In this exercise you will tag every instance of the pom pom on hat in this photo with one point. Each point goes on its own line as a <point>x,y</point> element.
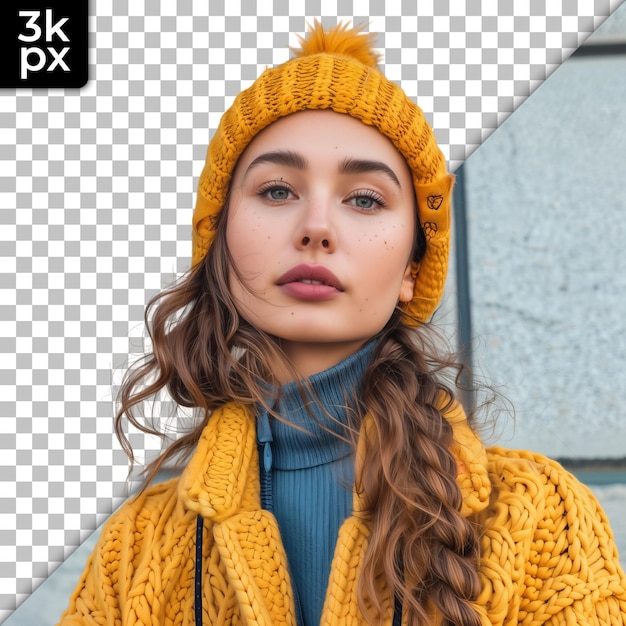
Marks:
<point>341,39</point>
<point>336,69</point>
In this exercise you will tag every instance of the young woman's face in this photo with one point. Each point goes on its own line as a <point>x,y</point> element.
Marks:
<point>321,226</point>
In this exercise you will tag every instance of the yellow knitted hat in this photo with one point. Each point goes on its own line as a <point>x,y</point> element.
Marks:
<point>336,69</point>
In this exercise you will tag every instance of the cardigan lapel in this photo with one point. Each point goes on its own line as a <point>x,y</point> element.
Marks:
<point>252,553</point>
<point>341,604</point>
<point>471,457</point>
<point>221,483</point>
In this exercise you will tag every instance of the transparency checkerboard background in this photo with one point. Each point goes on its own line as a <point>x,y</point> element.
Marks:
<point>97,188</point>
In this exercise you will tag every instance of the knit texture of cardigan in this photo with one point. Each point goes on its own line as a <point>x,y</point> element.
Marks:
<point>547,553</point>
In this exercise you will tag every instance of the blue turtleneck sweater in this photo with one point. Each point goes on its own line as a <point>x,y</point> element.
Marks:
<point>307,476</point>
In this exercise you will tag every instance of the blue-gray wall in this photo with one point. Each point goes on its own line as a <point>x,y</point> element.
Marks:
<point>546,207</point>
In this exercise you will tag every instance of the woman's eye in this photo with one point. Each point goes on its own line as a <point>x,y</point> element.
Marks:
<point>366,201</point>
<point>278,193</point>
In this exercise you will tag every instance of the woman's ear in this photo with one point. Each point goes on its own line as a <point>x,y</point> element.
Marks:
<point>407,288</point>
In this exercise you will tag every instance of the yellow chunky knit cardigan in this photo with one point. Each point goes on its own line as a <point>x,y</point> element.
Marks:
<point>548,556</point>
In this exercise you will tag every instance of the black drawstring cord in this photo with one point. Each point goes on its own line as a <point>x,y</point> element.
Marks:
<point>198,575</point>
<point>397,611</point>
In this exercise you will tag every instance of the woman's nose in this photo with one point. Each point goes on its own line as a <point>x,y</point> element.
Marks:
<point>316,228</point>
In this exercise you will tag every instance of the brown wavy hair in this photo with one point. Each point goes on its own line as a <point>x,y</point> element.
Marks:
<point>204,354</point>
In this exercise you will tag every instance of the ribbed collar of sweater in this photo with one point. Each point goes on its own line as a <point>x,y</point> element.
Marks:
<point>315,439</point>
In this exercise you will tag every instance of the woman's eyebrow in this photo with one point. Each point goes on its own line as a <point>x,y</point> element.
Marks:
<point>358,166</point>
<point>280,157</point>
<point>348,166</point>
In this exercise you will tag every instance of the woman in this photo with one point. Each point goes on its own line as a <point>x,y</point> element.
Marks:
<point>333,478</point>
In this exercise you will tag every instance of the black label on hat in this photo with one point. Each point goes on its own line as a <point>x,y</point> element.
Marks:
<point>434,202</point>
<point>43,43</point>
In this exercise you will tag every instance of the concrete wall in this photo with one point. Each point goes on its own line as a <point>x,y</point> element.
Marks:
<point>546,205</point>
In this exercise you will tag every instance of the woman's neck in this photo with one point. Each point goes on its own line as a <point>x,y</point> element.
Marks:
<point>317,416</point>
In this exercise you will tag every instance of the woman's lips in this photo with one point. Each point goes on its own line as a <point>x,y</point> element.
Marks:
<point>310,282</point>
